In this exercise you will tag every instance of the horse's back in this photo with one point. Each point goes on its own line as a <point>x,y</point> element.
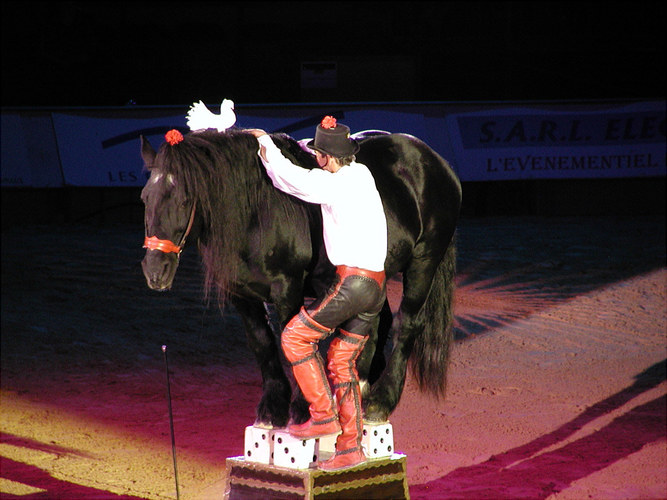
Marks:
<point>420,190</point>
<point>412,160</point>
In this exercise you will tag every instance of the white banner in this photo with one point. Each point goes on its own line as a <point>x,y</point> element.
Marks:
<point>103,151</point>
<point>517,143</point>
<point>15,167</point>
<point>491,143</point>
<point>29,151</point>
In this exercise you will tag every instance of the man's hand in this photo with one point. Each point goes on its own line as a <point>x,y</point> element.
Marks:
<point>257,132</point>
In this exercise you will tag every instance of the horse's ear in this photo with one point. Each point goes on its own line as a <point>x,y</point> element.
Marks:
<point>147,151</point>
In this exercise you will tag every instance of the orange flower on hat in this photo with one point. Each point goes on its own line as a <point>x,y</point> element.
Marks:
<point>173,137</point>
<point>328,122</point>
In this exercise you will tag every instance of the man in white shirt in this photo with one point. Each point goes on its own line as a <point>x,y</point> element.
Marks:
<point>355,238</point>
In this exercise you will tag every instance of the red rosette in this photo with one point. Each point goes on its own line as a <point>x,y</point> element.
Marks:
<point>173,137</point>
<point>328,122</point>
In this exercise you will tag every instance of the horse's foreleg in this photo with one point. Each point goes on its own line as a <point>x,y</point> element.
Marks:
<point>273,408</point>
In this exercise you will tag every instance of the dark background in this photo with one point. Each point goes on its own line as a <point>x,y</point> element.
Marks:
<point>162,53</point>
<point>100,53</point>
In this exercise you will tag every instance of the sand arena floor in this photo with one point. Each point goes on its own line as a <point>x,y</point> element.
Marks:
<point>556,386</point>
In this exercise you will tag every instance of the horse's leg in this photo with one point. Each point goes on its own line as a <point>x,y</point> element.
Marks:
<point>410,321</point>
<point>372,362</point>
<point>273,408</point>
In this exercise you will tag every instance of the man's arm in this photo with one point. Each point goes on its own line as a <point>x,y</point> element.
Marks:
<point>257,132</point>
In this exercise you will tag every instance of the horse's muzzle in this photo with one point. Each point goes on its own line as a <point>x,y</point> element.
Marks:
<point>159,269</point>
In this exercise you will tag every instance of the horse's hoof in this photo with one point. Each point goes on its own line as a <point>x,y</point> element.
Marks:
<point>299,411</point>
<point>374,414</point>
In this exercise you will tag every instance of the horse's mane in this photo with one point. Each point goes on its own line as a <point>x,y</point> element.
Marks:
<point>232,192</point>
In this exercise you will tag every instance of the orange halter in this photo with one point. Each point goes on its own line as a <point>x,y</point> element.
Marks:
<point>167,246</point>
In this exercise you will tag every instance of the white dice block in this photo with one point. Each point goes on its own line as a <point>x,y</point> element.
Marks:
<point>377,440</point>
<point>258,444</point>
<point>294,453</point>
<point>327,445</point>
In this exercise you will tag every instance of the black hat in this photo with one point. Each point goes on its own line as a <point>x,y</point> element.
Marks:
<point>333,139</point>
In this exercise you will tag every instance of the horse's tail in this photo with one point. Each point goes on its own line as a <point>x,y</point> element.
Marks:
<point>430,354</point>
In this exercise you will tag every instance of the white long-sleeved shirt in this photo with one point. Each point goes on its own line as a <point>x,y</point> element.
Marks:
<point>354,223</point>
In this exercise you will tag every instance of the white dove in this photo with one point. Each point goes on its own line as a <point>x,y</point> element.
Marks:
<point>200,118</point>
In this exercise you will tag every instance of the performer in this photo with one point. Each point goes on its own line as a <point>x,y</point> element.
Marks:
<point>355,238</point>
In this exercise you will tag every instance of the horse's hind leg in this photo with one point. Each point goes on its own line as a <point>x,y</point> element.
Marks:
<point>372,360</point>
<point>410,322</point>
<point>273,408</point>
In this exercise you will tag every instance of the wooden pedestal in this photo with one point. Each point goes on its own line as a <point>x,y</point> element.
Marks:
<point>381,478</point>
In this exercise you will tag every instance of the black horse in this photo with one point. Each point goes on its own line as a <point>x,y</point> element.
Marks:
<point>260,246</point>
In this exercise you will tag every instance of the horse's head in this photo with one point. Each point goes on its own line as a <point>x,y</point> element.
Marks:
<point>169,215</point>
